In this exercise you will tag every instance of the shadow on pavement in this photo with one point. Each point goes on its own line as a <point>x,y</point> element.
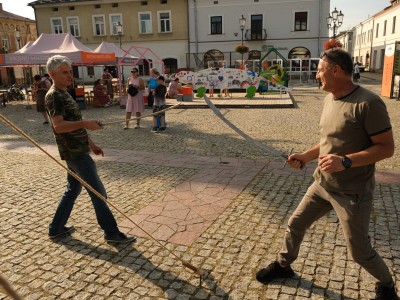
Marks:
<point>146,268</point>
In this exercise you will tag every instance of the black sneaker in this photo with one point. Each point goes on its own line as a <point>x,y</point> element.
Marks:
<point>120,238</point>
<point>273,271</point>
<point>154,129</point>
<point>65,231</point>
<point>161,129</point>
<point>385,293</point>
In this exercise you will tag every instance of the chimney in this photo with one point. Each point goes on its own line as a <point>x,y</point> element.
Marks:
<point>1,6</point>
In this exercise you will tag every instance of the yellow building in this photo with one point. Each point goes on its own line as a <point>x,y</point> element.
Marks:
<point>160,25</point>
<point>15,32</point>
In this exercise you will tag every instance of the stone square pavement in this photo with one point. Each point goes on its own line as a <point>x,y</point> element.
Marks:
<point>208,196</point>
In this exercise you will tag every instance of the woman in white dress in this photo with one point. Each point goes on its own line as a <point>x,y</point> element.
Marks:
<point>135,103</point>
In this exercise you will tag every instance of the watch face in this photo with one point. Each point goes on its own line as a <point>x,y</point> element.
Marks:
<point>346,162</point>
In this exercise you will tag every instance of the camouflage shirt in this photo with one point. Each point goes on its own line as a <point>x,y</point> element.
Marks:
<point>71,144</point>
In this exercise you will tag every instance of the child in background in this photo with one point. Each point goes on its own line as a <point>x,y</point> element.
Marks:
<point>159,103</point>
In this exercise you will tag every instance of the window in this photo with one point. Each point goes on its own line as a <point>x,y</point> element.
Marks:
<point>256,27</point>
<point>171,65</point>
<point>300,21</point>
<point>384,27</point>
<point>56,25</point>
<point>143,3</point>
<point>114,19</point>
<point>164,21</point>
<point>145,22</point>
<point>90,70</point>
<point>114,5</point>
<point>73,26</point>
<point>163,1</point>
<point>4,45</point>
<point>216,25</point>
<point>377,30</point>
<point>394,25</point>
<point>98,25</point>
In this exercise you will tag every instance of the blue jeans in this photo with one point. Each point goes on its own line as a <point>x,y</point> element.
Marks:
<point>84,167</point>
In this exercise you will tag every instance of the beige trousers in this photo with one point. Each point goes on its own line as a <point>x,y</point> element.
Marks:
<point>353,211</point>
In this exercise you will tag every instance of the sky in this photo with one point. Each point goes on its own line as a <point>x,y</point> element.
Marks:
<point>354,11</point>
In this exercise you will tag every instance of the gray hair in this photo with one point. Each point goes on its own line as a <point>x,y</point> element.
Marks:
<point>54,62</point>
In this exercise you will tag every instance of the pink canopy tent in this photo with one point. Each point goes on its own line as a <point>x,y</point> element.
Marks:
<point>47,45</point>
<point>106,47</point>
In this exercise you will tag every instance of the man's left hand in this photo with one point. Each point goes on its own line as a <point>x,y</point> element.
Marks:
<point>96,150</point>
<point>330,163</point>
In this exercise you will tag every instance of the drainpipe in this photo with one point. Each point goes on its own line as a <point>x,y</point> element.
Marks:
<point>372,39</point>
<point>196,34</point>
<point>319,27</point>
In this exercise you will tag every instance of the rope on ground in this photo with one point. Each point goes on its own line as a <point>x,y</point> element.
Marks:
<point>85,184</point>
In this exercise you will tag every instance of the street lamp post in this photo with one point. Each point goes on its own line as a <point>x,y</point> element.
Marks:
<point>334,21</point>
<point>119,31</point>
<point>242,23</point>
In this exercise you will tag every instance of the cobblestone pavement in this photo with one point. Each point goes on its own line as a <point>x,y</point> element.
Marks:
<point>142,167</point>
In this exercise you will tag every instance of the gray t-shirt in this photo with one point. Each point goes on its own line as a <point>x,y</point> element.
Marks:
<point>346,127</point>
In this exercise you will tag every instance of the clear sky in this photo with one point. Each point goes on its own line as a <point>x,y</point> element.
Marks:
<point>354,11</point>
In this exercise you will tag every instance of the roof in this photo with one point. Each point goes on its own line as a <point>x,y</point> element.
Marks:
<point>7,15</point>
<point>46,2</point>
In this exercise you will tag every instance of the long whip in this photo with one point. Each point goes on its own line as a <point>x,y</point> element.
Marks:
<point>88,186</point>
<point>141,117</point>
<point>8,288</point>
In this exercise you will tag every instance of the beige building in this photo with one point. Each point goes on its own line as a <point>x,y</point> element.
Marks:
<point>160,25</point>
<point>15,32</point>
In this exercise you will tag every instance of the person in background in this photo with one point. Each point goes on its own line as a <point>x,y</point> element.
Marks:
<point>159,104</point>
<point>152,86</point>
<point>355,133</point>
<point>107,81</point>
<point>39,90</point>
<point>101,99</point>
<point>47,80</point>
<point>173,88</point>
<point>356,74</point>
<point>135,103</point>
<point>74,145</point>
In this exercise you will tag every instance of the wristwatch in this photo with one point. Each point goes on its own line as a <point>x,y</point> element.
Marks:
<point>346,162</point>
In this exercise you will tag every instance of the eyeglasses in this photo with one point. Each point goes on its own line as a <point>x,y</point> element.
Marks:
<point>331,59</point>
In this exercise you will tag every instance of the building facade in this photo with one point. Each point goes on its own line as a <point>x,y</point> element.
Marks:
<point>296,28</point>
<point>15,32</point>
<point>367,41</point>
<point>160,25</point>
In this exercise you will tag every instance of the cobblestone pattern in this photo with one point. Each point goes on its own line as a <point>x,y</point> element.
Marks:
<point>245,237</point>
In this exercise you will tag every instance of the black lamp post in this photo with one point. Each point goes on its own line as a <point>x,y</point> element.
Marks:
<point>334,21</point>
<point>119,31</point>
<point>242,23</point>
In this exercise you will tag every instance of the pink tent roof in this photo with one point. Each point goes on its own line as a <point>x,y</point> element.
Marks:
<point>55,44</point>
<point>112,48</point>
<point>48,45</point>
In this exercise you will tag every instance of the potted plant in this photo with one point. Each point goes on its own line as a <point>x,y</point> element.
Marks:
<point>242,49</point>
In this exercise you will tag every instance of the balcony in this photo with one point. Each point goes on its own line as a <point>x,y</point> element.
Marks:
<point>256,34</point>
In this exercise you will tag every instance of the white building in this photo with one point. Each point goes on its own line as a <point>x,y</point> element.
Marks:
<point>367,41</point>
<point>386,32</point>
<point>296,28</point>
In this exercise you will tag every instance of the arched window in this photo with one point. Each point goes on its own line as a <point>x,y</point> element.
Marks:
<point>254,54</point>
<point>213,56</point>
<point>299,52</point>
<point>171,65</point>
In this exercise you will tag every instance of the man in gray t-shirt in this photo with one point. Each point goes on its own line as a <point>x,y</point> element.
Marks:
<point>355,133</point>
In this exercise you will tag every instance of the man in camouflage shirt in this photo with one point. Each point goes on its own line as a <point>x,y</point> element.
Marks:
<point>74,146</point>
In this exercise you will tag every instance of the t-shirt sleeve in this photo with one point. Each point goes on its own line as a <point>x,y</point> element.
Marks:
<point>376,117</point>
<point>55,104</point>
